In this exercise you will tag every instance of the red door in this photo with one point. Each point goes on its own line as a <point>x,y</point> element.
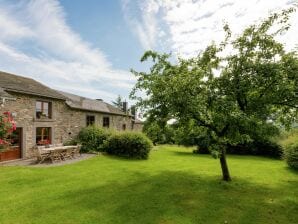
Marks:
<point>15,149</point>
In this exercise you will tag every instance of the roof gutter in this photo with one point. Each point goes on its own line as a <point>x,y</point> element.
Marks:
<point>35,94</point>
<point>98,111</point>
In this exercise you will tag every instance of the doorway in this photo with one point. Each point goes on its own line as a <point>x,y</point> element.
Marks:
<point>14,150</point>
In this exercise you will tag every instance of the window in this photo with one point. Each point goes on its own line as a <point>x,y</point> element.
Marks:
<point>43,136</point>
<point>90,120</point>
<point>106,122</point>
<point>43,109</point>
<point>123,127</point>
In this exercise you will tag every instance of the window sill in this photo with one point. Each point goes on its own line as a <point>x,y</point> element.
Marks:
<point>43,119</point>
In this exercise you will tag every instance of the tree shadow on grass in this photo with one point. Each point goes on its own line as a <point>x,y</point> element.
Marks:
<point>292,170</point>
<point>238,156</point>
<point>125,159</point>
<point>190,154</point>
<point>179,197</point>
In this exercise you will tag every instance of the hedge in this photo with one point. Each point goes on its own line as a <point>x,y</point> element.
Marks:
<point>128,144</point>
<point>92,138</point>
<point>291,155</point>
<point>259,147</point>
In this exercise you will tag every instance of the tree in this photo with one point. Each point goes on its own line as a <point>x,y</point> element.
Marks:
<point>158,133</point>
<point>254,91</point>
<point>118,102</point>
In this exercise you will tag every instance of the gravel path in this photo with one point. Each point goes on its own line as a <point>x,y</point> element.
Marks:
<point>32,162</point>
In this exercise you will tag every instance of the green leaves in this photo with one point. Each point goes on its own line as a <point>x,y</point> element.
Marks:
<point>254,93</point>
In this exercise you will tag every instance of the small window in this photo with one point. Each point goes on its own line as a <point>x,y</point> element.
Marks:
<point>43,136</point>
<point>43,109</point>
<point>106,122</point>
<point>90,120</point>
<point>123,127</point>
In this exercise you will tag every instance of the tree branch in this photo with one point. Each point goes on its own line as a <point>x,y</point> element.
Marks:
<point>205,124</point>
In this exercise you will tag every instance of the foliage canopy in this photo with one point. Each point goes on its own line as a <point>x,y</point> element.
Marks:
<point>235,90</point>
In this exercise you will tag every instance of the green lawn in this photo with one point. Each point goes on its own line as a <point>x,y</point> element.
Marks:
<point>173,186</point>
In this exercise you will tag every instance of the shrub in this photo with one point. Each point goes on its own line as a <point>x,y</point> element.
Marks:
<point>267,148</point>
<point>129,144</point>
<point>73,141</point>
<point>291,155</point>
<point>263,147</point>
<point>200,150</point>
<point>159,134</point>
<point>288,137</point>
<point>203,143</point>
<point>92,138</point>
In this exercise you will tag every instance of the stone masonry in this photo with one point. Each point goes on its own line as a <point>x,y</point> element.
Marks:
<point>65,123</point>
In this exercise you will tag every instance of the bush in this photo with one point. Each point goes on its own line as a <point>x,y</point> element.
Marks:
<point>291,155</point>
<point>203,143</point>
<point>73,141</point>
<point>200,150</point>
<point>92,138</point>
<point>288,137</point>
<point>159,134</point>
<point>128,144</point>
<point>268,148</point>
<point>259,147</point>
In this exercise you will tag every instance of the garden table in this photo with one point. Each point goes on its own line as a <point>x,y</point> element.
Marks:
<point>59,153</point>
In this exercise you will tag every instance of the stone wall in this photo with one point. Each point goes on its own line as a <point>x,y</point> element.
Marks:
<point>138,126</point>
<point>65,122</point>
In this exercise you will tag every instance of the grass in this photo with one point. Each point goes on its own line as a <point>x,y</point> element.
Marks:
<point>173,186</point>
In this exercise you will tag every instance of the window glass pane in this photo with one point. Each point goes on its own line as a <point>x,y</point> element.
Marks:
<point>45,131</point>
<point>45,105</point>
<point>38,105</point>
<point>38,114</point>
<point>43,109</point>
<point>43,136</point>
<point>106,122</point>
<point>45,113</point>
<point>38,131</point>
<point>90,120</point>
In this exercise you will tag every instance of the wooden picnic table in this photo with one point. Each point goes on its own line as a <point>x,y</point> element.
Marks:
<point>57,148</point>
<point>59,153</point>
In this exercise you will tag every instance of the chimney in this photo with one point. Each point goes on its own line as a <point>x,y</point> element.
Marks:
<point>124,106</point>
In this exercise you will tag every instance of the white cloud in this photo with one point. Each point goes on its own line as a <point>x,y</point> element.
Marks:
<point>81,91</point>
<point>62,56</point>
<point>145,24</point>
<point>47,18</point>
<point>192,24</point>
<point>11,28</point>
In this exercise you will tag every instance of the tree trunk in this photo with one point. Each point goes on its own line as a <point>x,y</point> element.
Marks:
<point>224,166</point>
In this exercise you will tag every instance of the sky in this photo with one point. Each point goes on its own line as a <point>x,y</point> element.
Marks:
<point>87,47</point>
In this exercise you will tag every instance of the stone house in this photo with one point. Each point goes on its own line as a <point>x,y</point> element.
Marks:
<point>47,116</point>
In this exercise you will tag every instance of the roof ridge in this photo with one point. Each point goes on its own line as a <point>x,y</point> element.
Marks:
<point>21,84</point>
<point>25,77</point>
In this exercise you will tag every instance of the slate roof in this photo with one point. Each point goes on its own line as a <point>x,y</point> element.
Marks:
<point>4,94</point>
<point>20,84</point>
<point>83,103</point>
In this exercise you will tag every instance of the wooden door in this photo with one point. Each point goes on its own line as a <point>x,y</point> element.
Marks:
<point>15,149</point>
